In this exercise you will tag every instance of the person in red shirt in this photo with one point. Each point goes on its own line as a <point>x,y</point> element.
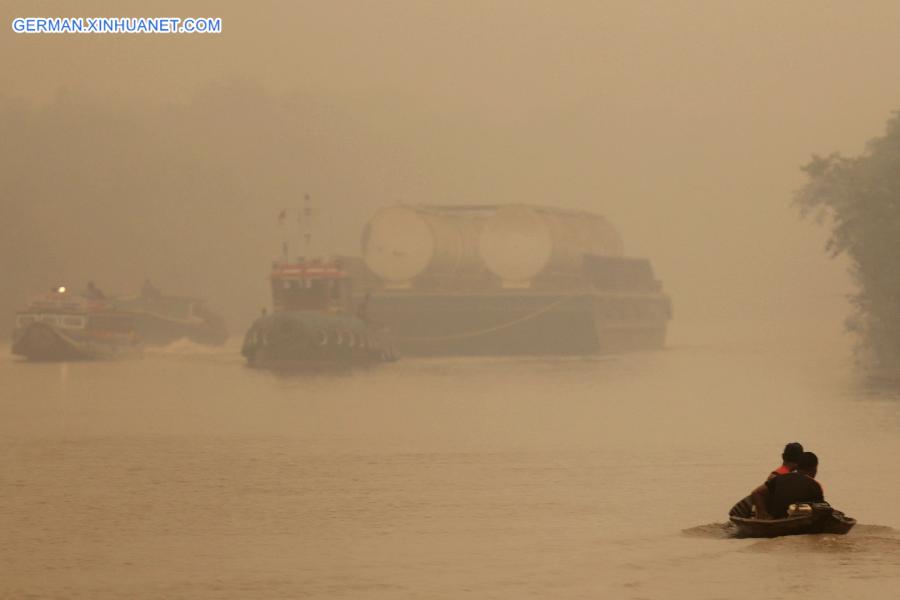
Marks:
<point>789,458</point>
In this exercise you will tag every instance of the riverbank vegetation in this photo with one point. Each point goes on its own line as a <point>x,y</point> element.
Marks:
<point>859,197</point>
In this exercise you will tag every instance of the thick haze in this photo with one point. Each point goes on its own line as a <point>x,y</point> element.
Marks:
<point>684,123</point>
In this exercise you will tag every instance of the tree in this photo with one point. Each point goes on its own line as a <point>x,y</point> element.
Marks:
<point>860,196</point>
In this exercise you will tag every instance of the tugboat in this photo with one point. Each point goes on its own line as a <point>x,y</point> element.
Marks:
<point>62,325</point>
<point>313,324</point>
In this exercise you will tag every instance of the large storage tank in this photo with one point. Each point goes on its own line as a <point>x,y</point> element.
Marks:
<point>403,243</point>
<point>519,243</point>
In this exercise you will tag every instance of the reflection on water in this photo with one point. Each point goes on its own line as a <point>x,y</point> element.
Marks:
<point>186,474</point>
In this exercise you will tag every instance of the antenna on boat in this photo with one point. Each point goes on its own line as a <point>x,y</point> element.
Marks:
<point>305,222</point>
<point>282,216</point>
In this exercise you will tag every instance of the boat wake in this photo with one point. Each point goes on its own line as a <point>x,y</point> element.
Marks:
<point>711,531</point>
<point>863,538</point>
<point>186,347</point>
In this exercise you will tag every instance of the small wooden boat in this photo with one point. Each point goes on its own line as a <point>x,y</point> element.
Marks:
<point>804,518</point>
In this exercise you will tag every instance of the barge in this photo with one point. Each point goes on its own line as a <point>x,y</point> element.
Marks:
<point>508,280</point>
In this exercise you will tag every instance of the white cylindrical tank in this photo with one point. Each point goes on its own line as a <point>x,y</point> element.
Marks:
<point>400,243</point>
<point>520,242</point>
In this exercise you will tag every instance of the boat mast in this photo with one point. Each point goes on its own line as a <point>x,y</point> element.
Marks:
<point>282,217</point>
<point>306,223</point>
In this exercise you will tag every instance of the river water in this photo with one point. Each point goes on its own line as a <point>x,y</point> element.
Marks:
<point>185,474</point>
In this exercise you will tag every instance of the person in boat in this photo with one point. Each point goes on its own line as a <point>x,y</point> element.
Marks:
<point>93,292</point>
<point>773,498</point>
<point>148,290</point>
<point>789,457</point>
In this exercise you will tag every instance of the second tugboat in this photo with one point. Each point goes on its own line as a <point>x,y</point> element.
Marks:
<point>313,324</point>
<point>63,325</point>
<point>66,325</point>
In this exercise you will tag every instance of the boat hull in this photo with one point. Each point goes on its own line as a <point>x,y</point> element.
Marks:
<point>160,320</point>
<point>158,330</point>
<point>300,340</point>
<point>45,342</point>
<point>521,322</point>
<point>822,519</point>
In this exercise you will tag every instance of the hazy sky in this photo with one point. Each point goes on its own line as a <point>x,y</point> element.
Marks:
<point>684,122</point>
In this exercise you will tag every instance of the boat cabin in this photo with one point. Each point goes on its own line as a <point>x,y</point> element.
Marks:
<point>66,310</point>
<point>314,285</point>
<point>66,321</point>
